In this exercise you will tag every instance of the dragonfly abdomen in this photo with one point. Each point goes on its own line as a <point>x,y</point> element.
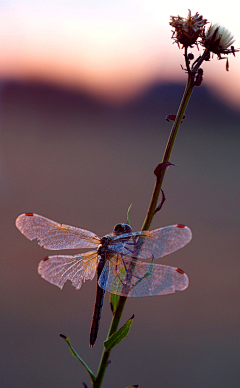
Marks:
<point>98,302</point>
<point>96,315</point>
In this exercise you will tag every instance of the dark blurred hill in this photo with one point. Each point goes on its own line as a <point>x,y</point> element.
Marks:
<point>165,98</point>
<point>152,104</point>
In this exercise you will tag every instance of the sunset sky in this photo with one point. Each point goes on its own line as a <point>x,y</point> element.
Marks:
<point>113,49</point>
<point>74,159</point>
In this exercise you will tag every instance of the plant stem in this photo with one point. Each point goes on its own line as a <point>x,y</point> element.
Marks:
<point>153,203</point>
<point>172,136</point>
<point>167,153</point>
<point>106,353</point>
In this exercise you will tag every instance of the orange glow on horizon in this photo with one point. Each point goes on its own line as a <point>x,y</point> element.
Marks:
<point>112,59</point>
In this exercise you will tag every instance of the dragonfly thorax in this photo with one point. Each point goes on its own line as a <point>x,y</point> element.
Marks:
<point>118,230</point>
<point>102,248</point>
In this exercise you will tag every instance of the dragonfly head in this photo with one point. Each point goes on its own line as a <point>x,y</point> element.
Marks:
<point>121,229</point>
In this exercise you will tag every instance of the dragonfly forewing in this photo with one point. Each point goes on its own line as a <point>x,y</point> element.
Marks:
<point>155,243</point>
<point>52,235</point>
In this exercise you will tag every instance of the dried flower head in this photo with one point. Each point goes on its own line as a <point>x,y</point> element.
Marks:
<point>217,40</point>
<point>187,30</point>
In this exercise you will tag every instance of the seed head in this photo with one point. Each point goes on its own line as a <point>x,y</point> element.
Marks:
<point>217,39</point>
<point>188,30</point>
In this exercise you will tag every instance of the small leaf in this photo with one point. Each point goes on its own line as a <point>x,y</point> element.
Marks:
<point>118,335</point>
<point>114,298</point>
<point>74,353</point>
<point>159,207</point>
<point>128,219</point>
<point>160,167</point>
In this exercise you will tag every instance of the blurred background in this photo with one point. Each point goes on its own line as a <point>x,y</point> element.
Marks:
<point>84,91</point>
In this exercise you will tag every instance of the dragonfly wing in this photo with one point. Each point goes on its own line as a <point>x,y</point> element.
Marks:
<point>134,278</point>
<point>58,269</point>
<point>52,235</point>
<point>155,243</point>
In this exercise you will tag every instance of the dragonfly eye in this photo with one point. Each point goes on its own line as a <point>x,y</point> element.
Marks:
<point>122,229</point>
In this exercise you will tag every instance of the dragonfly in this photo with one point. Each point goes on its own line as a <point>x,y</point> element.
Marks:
<point>115,258</point>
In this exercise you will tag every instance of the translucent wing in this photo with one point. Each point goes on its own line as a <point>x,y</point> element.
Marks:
<point>58,269</point>
<point>52,235</point>
<point>134,278</point>
<point>153,244</point>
